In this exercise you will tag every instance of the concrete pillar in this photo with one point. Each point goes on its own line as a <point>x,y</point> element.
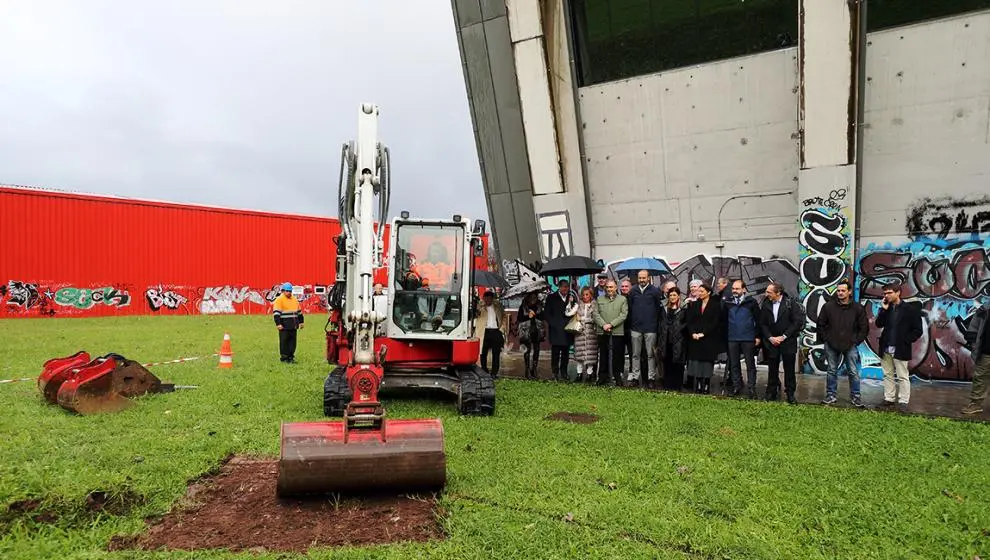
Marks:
<point>827,181</point>
<point>482,29</point>
<point>541,51</point>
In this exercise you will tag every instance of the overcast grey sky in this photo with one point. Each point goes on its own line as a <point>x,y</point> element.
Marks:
<point>241,103</point>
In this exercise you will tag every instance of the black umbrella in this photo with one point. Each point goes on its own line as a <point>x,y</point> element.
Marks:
<point>488,279</point>
<point>571,265</point>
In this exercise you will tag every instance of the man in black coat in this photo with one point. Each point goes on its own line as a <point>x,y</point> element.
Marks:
<point>781,320</point>
<point>558,310</point>
<point>901,324</point>
<point>842,326</point>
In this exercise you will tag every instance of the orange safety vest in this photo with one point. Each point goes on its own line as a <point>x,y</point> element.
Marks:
<point>438,274</point>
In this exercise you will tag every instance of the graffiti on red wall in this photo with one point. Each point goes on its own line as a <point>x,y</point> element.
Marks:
<point>949,277</point>
<point>30,299</point>
<point>86,298</point>
<point>159,298</point>
<point>21,298</point>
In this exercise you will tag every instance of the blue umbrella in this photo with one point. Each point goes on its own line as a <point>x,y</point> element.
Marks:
<point>651,265</point>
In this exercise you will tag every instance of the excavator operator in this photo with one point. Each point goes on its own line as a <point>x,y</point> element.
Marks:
<point>437,268</point>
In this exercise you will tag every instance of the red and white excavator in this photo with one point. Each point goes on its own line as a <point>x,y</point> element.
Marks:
<point>422,338</point>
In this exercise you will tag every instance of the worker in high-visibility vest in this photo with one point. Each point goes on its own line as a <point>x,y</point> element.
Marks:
<point>436,268</point>
<point>288,319</point>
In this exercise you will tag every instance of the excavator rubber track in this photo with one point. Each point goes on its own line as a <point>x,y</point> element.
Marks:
<point>336,393</point>
<point>476,394</point>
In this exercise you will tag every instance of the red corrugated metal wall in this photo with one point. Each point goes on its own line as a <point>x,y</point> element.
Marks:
<point>80,255</point>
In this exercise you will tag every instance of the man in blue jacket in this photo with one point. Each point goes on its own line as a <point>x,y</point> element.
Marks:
<point>645,305</point>
<point>742,316</point>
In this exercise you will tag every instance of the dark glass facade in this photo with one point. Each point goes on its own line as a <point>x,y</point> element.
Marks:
<point>616,39</point>
<point>622,38</point>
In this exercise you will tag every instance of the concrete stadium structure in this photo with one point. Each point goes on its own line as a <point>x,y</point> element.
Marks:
<point>799,141</point>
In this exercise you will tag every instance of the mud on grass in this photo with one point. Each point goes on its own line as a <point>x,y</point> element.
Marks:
<point>237,509</point>
<point>97,502</point>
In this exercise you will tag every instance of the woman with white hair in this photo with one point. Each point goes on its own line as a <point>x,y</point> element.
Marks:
<point>693,290</point>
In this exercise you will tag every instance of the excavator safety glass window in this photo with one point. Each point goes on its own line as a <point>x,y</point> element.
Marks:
<point>429,276</point>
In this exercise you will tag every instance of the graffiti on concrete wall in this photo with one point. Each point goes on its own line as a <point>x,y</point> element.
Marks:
<point>555,234</point>
<point>825,247</point>
<point>949,277</point>
<point>834,201</point>
<point>946,216</point>
<point>756,272</point>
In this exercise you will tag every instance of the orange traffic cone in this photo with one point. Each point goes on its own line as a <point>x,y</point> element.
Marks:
<point>226,355</point>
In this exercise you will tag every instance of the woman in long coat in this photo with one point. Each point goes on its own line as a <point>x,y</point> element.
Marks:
<point>586,341</point>
<point>670,342</point>
<point>703,319</point>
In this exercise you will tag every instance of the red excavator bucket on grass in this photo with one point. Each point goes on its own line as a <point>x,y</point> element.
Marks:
<point>363,452</point>
<point>55,371</point>
<point>104,385</point>
<point>324,457</point>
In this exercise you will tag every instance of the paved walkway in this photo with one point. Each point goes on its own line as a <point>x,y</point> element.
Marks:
<point>934,399</point>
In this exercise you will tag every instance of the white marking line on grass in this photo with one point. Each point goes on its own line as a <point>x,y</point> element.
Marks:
<point>178,361</point>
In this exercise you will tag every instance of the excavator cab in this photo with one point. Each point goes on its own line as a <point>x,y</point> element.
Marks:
<point>428,295</point>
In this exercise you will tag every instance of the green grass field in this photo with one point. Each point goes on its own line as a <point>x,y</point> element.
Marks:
<point>659,476</point>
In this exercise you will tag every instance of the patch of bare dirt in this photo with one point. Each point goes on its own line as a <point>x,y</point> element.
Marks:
<point>114,504</point>
<point>30,508</point>
<point>238,509</point>
<point>574,417</point>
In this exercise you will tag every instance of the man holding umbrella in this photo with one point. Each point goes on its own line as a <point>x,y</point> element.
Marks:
<point>558,310</point>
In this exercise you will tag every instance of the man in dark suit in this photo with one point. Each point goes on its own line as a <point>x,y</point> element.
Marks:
<point>559,309</point>
<point>901,324</point>
<point>781,320</point>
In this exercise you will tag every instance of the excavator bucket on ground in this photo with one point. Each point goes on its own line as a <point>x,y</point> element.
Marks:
<point>100,385</point>
<point>55,371</point>
<point>340,457</point>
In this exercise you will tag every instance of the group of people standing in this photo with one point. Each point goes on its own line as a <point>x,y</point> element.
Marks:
<point>683,337</point>
<point>677,339</point>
